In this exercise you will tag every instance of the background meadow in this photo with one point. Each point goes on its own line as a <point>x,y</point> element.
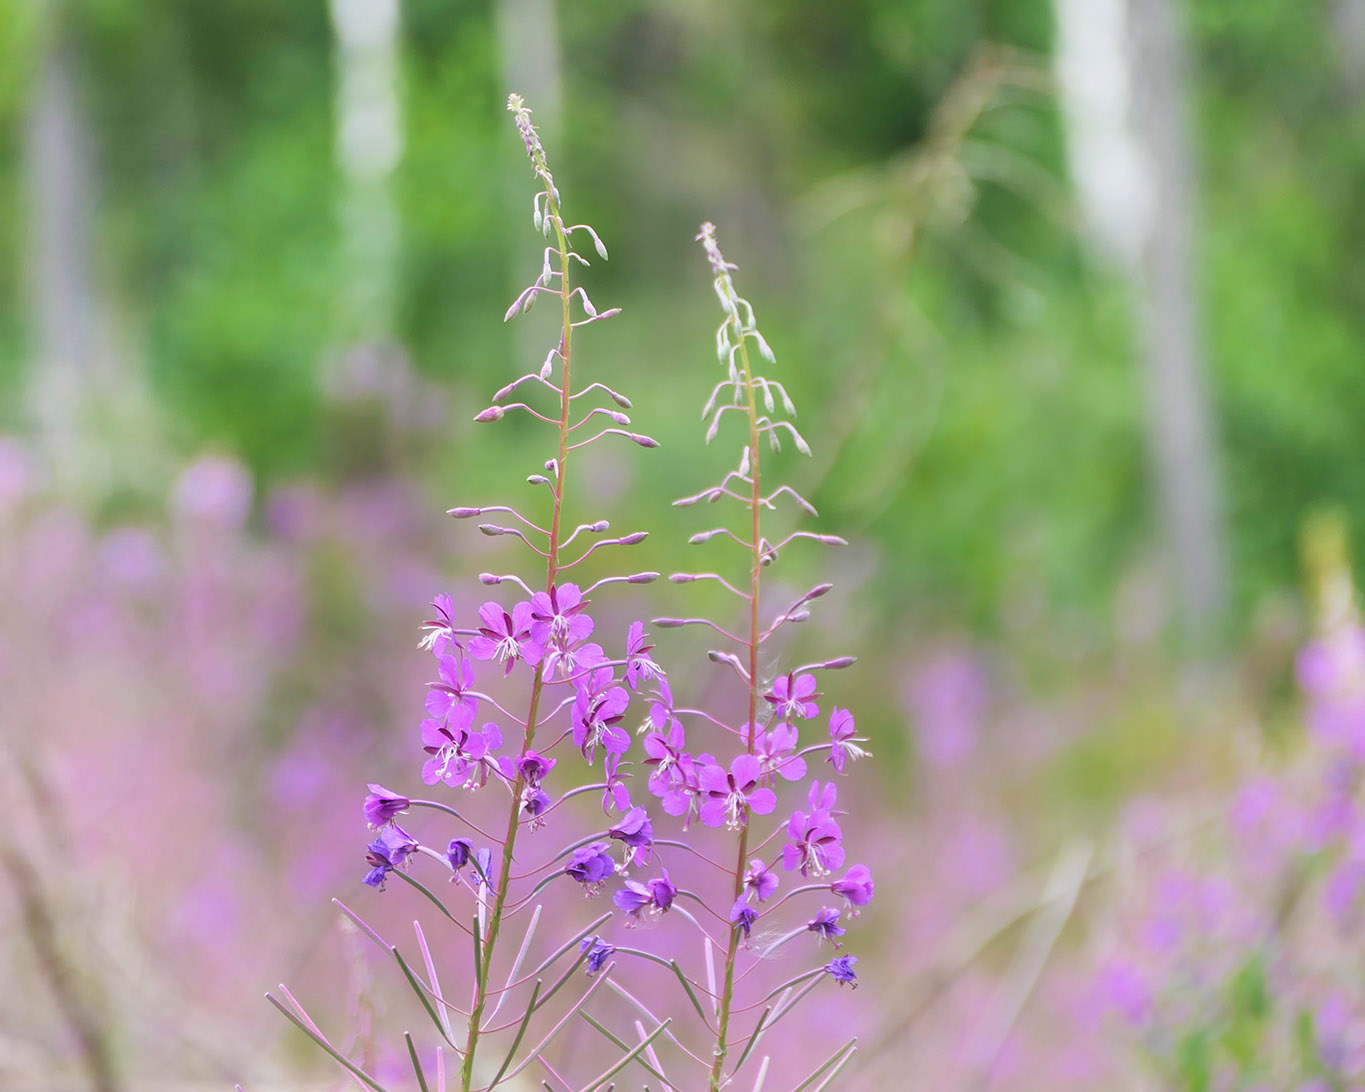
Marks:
<point>1067,294</point>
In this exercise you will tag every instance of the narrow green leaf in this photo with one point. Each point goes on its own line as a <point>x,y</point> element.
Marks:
<point>753,1040</point>
<point>831,1060</point>
<point>421,992</point>
<point>572,941</point>
<point>621,1043</point>
<point>340,1058</point>
<point>634,1053</point>
<point>416,1063</point>
<point>423,888</point>
<point>521,1031</point>
<point>478,953</point>
<point>691,996</point>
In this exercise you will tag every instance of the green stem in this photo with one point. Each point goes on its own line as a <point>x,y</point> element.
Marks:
<point>728,989</point>
<point>485,967</point>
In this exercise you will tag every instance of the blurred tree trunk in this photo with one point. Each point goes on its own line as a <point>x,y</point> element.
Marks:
<point>1348,30</point>
<point>59,251</point>
<point>1122,69</point>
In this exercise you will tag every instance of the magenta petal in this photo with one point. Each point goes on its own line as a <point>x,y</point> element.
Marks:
<point>793,769</point>
<point>493,617</point>
<point>438,703</point>
<point>745,769</point>
<point>713,812</point>
<point>434,735</point>
<point>483,648</point>
<point>713,779</point>
<point>762,801</point>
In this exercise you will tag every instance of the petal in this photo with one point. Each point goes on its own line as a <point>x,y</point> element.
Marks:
<point>792,769</point>
<point>493,617</point>
<point>483,648</point>
<point>746,770</point>
<point>762,801</point>
<point>713,811</point>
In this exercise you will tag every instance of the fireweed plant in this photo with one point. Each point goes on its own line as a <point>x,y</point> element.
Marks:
<point>529,706</point>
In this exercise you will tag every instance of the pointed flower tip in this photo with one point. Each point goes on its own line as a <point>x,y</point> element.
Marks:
<point>463,513</point>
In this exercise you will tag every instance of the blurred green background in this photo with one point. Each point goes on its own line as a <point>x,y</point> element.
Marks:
<point>969,366</point>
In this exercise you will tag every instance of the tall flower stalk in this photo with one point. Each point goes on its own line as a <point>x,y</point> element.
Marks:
<point>577,698</point>
<point>573,692</point>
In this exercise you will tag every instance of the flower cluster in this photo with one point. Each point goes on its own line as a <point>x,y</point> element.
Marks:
<point>544,652</point>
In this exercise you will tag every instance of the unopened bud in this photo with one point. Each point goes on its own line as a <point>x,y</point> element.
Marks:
<point>492,413</point>
<point>489,579</point>
<point>634,538</point>
<point>464,513</point>
<point>644,441</point>
<point>642,578</point>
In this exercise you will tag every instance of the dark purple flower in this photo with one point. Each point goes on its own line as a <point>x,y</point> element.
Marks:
<point>759,881</point>
<point>591,864</point>
<point>657,895</point>
<point>843,744</point>
<point>599,951</point>
<point>743,915</point>
<point>731,796</point>
<point>505,637</point>
<point>381,806</point>
<point>533,767</point>
<point>458,853</point>
<point>841,967</point>
<point>639,667</point>
<point>450,698</point>
<point>856,886</point>
<point>793,696</point>
<point>440,635</point>
<point>557,618</point>
<point>393,846</point>
<point>535,802</point>
<point>826,925</point>
<point>636,831</point>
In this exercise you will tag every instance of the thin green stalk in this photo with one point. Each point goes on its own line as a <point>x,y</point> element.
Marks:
<point>485,962</point>
<point>756,566</point>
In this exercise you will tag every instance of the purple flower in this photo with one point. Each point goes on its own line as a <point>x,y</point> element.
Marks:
<point>571,660</point>
<point>456,753</point>
<point>450,698</point>
<point>614,792</point>
<point>599,951</point>
<point>440,631</point>
<point>856,886</point>
<point>597,713</point>
<point>458,853</point>
<point>775,752</point>
<point>664,749</point>
<point>841,967</point>
<point>657,895</point>
<point>636,831</point>
<point>743,915</point>
<point>505,637</point>
<point>816,840</point>
<point>793,695</point>
<point>535,802</point>
<point>682,796</point>
<point>826,925</point>
<point>393,846</point>
<point>639,667</point>
<point>381,806</point>
<point>843,744</point>
<point>760,881</point>
<point>591,864</point>
<point>557,617</point>
<point>730,796</point>
<point>533,767</point>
